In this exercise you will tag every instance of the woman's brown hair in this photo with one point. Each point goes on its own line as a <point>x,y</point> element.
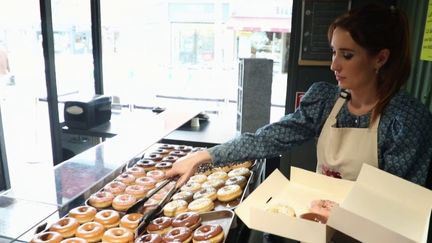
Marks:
<point>377,27</point>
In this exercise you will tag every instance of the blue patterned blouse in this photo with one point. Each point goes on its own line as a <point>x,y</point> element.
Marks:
<point>404,134</point>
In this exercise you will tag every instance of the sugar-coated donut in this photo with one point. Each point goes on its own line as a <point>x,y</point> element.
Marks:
<point>209,233</point>
<point>66,226</point>
<point>175,207</point>
<point>241,171</point>
<point>218,175</point>
<point>183,195</point>
<point>101,199</point>
<point>74,240</point>
<point>136,171</point>
<point>149,238</point>
<point>178,234</point>
<point>322,207</point>
<point>163,165</point>
<point>115,187</point>
<point>191,186</point>
<point>237,180</point>
<point>123,202</point>
<point>83,214</point>
<point>187,219</point>
<point>156,174</point>
<point>208,192</point>
<point>229,193</point>
<point>200,178</point>
<point>118,235</point>
<point>47,237</point>
<point>90,231</point>
<point>146,164</point>
<point>126,178</point>
<point>281,209</point>
<point>314,217</point>
<point>159,225</point>
<point>201,205</point>
<point>130,221</point>
<point>108,218</point>
<point>215,183</point>
<point>138,191</point>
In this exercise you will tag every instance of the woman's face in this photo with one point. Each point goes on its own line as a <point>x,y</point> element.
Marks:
<point>353,67</point>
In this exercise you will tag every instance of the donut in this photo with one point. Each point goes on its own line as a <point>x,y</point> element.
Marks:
<point>90,231</point>
<point>108,218</point>
<point>218,175</point>
<point>118,235</point>
<point>149,238</point>
<point>209,233</point>
<point>83,213</point>
<point>146,181</point>
<point>115,187</point>
<point>47,237</point>
<point>163,166</point>
<point>161,151</point>
<point>322,207</point>
<point>126,178</point>
<point>158,195</point>
<point>245,164</point>
<point>281,208</point>
<point>215,183</point>
<point>156,174</point>
<point>183,195</point>
<point>150,204</point>
<point>229,193</point>
<point>236,180</point>
<point>178,234</point>
<point>208,192</point>
<point>74,240</point>
<point>191,186</point>
<point>130,221</point>
<point>201,205</point>
<point>241,171</point>
<point>146,164</point>
<point>138,191</point>
<point>314,217</point>
<point>187,219</point>
<point>66,226</point>
<point>168,147</point>
<point>221,168</point>
<point>175,207</point>
<point>153,156</point>
<point>123,202</point>
<point>170,158</point>
<point>159,225</point>
<point>200,178</point>
<point>177,153</point>
<point>101,199</point>
<point>136,171</point>
<point>196,149</point>
<point>184,148</point>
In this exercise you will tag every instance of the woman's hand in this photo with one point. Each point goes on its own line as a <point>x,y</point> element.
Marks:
<point>186,166</point>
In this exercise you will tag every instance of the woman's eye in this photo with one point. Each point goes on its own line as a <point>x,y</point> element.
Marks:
<point>347,55</point>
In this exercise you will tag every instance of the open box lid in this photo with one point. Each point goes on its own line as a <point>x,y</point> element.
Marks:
<point>384,208</point>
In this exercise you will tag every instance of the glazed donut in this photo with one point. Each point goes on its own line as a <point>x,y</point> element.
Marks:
<point>200,178</point>
<point>183,195</point>
<point>184,148</point>
<point>126,178</point>
<point>90,231</point>
<point>101,199</point>
<point>150,204</point>
<point>168,147</point>
<point>241,171</point>
<point>47,237</point>
<point>146,181</point>
<point>236,180</point>
<point>281,209</point>
<point>208,192</point>
<point>158,195</point>
<point>179,234</point>
<point>136,171</point>
<point>177,153</point>
<point>153,156</point>
<point>187,219</point>
<point>118,235</point>
<point>314,217</point>
<point>66,226</point>
<point>161,151</point>
<point>158,175</point>
<point>74,240</point>
<point>201,205</point>
<point>170,158</point>
<point>83,214</point>
<point>322,207</point>
<point>229,193</point>
<point>163,166</point>
<point>175,207</point>
<point>149,238</point>
<point>108,218</point>
<point>138,191</point>
<point>218,175</point>
<point>215,183</point>
<point>159,225</point>
<point>146,164</point>
<point>191,186</point>
<point>209,233</point>
<point>130,221</point>
<point>245,164</point>
<point>115,187</point>
<point>123,202</point>
<point>221,168</point>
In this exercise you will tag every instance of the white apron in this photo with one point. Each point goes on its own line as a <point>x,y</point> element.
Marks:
<point>342,151</point>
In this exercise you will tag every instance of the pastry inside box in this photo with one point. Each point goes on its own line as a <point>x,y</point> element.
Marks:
<point>104,218</point>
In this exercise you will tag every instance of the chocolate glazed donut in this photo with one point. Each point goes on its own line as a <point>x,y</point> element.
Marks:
<point>178,234</point>
<point>150,238</point>
<point>209,232</point>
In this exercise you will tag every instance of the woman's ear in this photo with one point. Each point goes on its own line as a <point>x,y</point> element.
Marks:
<point>382,58</point>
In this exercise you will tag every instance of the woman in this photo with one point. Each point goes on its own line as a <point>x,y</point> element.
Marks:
<point>366,118</point>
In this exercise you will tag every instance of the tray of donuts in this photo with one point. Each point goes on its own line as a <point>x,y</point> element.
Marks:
<point>189,227</point>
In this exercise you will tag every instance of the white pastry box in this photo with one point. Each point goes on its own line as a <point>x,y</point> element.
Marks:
<point>378,207</point>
